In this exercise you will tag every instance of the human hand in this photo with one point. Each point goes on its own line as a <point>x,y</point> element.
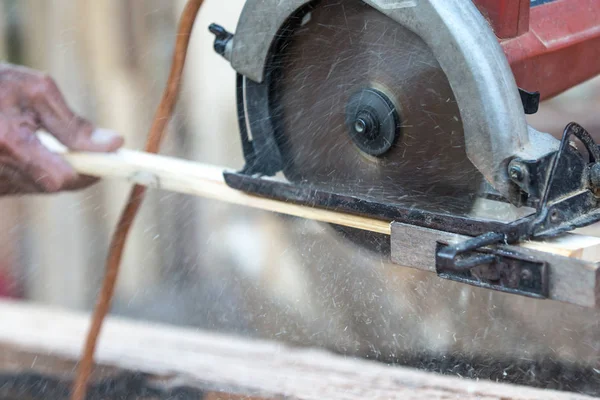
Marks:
<point>30,101</point>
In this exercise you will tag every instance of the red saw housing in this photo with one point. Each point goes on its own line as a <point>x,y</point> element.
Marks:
<point>551,45</point>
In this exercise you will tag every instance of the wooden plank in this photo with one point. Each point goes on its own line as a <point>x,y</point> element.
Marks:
<point>181,176</point>
<point>265,369</point>
<point>571,245</point>
<point>203,180</point>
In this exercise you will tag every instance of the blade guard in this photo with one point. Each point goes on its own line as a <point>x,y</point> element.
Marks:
<point>477,69</point>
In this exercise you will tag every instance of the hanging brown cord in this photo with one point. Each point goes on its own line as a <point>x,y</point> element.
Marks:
<point>161,119</point>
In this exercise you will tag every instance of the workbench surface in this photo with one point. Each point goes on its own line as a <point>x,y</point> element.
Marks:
<point>39,348</point>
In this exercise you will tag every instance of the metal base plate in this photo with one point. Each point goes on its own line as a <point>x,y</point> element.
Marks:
<point>316,197</point>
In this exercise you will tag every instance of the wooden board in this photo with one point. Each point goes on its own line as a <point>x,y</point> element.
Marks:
<point>33,338</point>
<point>182,176</point>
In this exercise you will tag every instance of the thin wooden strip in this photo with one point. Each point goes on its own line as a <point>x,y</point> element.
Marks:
<point>207,181</point>
<point>570,245</point>
<point>197,179</point>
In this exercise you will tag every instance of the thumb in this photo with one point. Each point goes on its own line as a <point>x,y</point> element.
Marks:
<point>81,135</point>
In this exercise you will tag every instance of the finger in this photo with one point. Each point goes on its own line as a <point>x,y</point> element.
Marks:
<point>46,169</point>
<point>58,119</point>
<point>81,182</point>
<point>13,181</point>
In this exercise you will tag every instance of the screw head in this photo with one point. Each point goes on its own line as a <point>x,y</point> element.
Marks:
<point>366,125</point>
<point>526,274</point>
<point>360,125</point>
<point>516,173</point>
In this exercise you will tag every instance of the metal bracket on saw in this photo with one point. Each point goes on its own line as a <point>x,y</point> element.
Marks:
<point>516,269</point>
<point>500,269</point>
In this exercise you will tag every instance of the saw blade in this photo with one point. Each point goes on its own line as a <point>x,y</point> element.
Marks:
<point>344,58</point>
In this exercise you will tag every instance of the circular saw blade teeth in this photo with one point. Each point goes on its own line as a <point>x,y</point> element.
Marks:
<point>346,48</point>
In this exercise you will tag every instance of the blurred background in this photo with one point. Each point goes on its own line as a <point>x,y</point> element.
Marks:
<point>204,264</point>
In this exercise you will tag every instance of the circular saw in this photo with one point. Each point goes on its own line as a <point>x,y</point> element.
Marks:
<point>407,111</point>
<point>393,100</point>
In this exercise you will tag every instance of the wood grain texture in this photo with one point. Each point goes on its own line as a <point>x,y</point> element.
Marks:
<point>264,369</point>
<point>571,245</point>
